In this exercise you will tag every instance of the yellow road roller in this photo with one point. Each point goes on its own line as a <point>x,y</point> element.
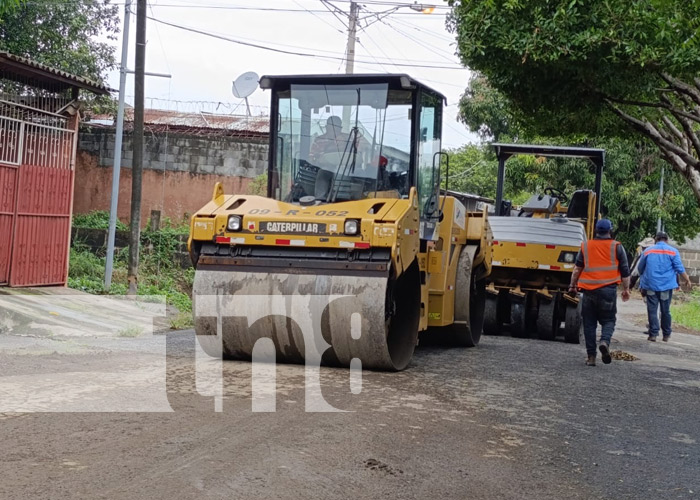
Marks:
<point>353,215</point>
<point>534,250</point>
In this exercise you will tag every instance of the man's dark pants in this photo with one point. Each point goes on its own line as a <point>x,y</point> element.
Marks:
<point>599,306</point>
<point>654,300</point>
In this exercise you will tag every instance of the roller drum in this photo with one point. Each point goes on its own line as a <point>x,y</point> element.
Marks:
<point>312,318</point>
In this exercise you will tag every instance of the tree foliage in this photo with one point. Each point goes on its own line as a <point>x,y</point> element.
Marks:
<point>64,34</point>
<point>590,67</point>
<point>8,6</point>
<point>485,111</point>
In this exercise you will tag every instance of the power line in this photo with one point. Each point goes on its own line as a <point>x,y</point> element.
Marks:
<point>378,46</point>
<point>283,51</point>
<point>370,53</point>
<point>189,5</point>
<point>441,37</point>
<point>389,60</point>
<point>192,5</point>
<point>160,41</point>
<point>318,17</point>
<point>332,10</point>
<point>418,42</point>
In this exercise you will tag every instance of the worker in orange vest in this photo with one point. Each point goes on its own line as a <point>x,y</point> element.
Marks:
<point>600,267</point>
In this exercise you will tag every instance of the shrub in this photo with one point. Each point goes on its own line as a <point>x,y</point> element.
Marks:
<point>97,219</point>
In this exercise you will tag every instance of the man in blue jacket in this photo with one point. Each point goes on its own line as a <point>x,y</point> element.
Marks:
<point>659,267</point>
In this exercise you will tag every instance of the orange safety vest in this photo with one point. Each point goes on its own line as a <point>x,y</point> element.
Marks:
<point>601,264</point>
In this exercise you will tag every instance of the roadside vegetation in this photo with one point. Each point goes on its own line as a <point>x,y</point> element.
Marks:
<point>97,219</point>
<point>160,272</point>
<point>686,310</point>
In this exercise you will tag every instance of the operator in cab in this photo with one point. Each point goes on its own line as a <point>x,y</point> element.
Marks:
<point>336,154</point>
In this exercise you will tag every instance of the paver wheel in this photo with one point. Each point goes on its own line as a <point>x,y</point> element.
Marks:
<point>573,324</point>
<point>492,323</point>
<point>518,318</point>
<point>548,318</point>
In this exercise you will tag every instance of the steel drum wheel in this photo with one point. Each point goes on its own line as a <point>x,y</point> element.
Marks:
<point>470,302</point>
<point>389,314</point>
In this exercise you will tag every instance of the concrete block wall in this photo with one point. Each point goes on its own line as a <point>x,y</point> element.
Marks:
<point>220,155</point>
<point>691,261</point>
<point>179,171</point>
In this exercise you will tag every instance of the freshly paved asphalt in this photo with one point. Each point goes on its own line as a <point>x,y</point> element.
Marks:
<point>511,418</point>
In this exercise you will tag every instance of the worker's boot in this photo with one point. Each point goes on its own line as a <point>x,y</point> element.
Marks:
<point>590,361</point>
<point>605,353</point>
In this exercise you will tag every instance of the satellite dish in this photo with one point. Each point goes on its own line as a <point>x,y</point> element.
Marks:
<point>245,84</point>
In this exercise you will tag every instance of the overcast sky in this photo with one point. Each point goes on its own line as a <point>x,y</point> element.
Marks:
<point>203,67</point>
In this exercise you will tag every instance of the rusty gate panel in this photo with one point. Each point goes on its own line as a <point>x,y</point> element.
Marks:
<point>10,145</point>
<point>40,253</point>
<point>42,221</point>
<point>8,189</point>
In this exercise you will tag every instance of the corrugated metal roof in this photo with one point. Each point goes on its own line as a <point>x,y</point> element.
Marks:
<point>241,124</point>
<point>46,76</point>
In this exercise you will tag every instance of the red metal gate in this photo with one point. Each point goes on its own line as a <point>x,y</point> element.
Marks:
<point>10,145</point>
<point>36,191</point>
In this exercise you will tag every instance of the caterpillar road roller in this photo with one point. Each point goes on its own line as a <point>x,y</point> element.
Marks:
<point>534,250</point>
<point>353,210</point>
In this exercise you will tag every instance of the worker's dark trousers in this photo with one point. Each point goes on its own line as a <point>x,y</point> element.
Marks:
<point>599,306</point>
<point>654,300</point>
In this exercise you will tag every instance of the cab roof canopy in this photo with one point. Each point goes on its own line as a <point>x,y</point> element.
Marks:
<point>395,81</point>
<point>597,156</point>
<point>505,151</point>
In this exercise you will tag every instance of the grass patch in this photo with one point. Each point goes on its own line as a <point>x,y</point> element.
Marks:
<point>686,310</point>
<point>130,332</point>
<point>159,272</point>
<point>182,321</point>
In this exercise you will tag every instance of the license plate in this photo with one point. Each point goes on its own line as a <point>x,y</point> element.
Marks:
<point>292,227</point>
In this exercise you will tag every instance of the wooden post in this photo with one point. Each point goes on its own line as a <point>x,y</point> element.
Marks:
<point>155,220</point>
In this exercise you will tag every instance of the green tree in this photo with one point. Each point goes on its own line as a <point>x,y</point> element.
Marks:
<point>8,6</point>
<point>590,67</point>
<point>486,111</point>
<point>472,171</point>
<point>64,34</point>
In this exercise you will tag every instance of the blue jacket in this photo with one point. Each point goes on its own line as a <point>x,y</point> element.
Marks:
<point>659,266</point>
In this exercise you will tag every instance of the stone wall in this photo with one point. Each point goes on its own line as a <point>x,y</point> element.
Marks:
<point>690,255</point>
<point>179,174</point>
<point>691,261</point>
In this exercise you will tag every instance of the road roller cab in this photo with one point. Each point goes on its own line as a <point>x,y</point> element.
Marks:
<point>534,250</point>
<point>353,209</point>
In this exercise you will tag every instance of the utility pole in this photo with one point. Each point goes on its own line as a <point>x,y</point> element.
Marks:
<point>350,60</point>
<point>137,166</point>
<point>659,224</point>
<point>352,36</point>
<point>116,166</point>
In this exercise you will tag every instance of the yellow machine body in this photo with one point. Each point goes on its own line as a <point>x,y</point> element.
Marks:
<point>389,261</point>
<point>534,252</point>
<point>391,224</point>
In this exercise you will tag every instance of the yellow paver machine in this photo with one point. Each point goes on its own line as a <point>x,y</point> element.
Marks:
<point>534,249</point>
<point>353,209</point>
